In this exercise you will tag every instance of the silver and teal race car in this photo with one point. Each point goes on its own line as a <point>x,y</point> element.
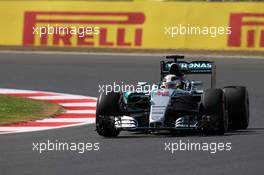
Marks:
<point>175,104</point>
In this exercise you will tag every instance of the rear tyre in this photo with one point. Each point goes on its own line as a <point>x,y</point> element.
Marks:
<point>238,106</point>
<point>213,106</point>
<point>107,109</point>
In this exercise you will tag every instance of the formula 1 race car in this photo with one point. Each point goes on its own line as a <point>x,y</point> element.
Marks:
<point>175,104</point>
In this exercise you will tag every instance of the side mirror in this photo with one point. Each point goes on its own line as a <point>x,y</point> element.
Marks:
<point>196,83</point>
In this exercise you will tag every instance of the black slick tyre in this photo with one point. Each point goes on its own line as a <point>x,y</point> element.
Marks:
<point>107,109</point>
<point>238,106</point>
<point>213,106</point>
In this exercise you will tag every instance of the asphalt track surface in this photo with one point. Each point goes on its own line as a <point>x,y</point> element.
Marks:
<point>129,153</point>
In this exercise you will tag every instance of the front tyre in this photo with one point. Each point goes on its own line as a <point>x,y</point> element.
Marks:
<point>213,106</point>
<point>107,109</point>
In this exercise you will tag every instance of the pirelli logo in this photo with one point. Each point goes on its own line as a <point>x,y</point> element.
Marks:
<point>116,29</point>
<point>247,30</point>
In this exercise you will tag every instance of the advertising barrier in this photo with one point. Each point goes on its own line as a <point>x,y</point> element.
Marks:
<point>141,25</point>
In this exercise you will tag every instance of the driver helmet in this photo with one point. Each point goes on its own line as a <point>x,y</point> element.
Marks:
<point>171,82</point>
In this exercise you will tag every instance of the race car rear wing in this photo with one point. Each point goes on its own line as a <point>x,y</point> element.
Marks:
<point>193,67</point>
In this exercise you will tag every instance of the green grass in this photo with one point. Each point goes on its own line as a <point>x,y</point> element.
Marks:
<point>17,109</point>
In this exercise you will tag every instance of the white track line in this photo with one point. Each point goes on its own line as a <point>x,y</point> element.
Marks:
<point>23,129</point>
<point>80,112</point>
<point>64,97</point>
<point>80,104</point>
<point>81,120</point>
<point>30,129</point>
